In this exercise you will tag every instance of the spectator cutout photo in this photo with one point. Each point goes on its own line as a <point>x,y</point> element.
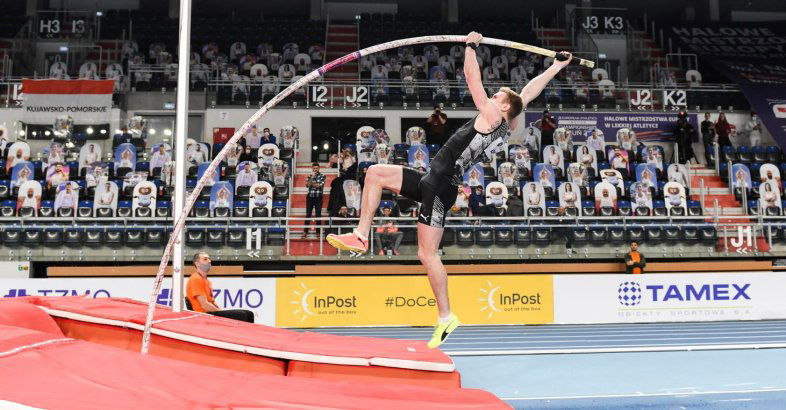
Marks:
<point>534,197</point>
<point>280,172</point>
<point>144,196</point>
<point>29,196</point>
<point>595,140</point>
<point>605,196</point>
<point>626,139</point>
<point>587,157</point>
<point>22,172</point>
<point>419,157</point>
<point>678,173</point>
<point>67,196</point>
<point>653,154</point>
<point>577,174</point>
<point>125,157</point>
<point>53,154</point>
<point>770,173</point>
<point>260,196</point>
<point>18,152</point>
<point>382,153</point>
<point>352,195</point>
<point>160,155</point>
<point>266,155</point>
<point>742,176</point>
<point>106,196</point>
<point>641,197</point>
<point>497,195</point>
<point>521,157</point>
<point>563,139</point>
<point>769,196</point>
<point>646,174</point>
<point>201,172</point>
<point>246,174</point>
<point>474,176</point>
<point>289,137</point>
<point>196,153</point>
<point>56,174</point>
<point>570,196</point>
<point>674,194</point>
<point>552,155</point>
<point>613,177</point>
<point>365,144</point>
<point>416,136</point>
<point>89,154</point>
<point>133,178</point>
<point>508,174</point>
<point>221,197</point>
<point>618,159</point>
<point>544,175</point>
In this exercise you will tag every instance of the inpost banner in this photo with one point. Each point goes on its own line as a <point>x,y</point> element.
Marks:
<point>669,297</point>
<point>408,300</point>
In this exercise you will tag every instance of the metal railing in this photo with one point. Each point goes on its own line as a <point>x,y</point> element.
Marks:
<point>726,231</point>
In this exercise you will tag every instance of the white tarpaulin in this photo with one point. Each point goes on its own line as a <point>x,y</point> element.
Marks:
<point>87,101</point>
<point>255,294</point>
<point>669,297</point>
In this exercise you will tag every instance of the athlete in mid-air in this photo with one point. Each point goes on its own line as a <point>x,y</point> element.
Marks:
<point>476,141</point>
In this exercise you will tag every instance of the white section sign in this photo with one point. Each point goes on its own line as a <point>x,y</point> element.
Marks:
<point>255,294</point>
<point>669,297</point>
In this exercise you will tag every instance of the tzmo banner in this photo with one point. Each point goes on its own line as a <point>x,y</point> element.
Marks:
<point>408,301</point>
<point>255,294</point>
<point>669,297</point>
<point>87,101</point>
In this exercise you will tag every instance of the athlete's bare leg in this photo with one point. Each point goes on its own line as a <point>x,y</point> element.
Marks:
<point>429,238</point>
<point>378,177</point>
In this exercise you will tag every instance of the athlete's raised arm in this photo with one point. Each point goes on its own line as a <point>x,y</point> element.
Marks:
<point>490,113</point>
<point>533,88</point>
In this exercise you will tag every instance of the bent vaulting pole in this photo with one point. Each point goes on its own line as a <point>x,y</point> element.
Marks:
<point>230,145</point>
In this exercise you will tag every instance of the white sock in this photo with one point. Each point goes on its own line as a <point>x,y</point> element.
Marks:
<point>445,319</point>
<point>364,238</point>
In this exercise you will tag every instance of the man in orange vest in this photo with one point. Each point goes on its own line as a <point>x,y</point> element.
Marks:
<point>634,261</point>
<point>199,292</point>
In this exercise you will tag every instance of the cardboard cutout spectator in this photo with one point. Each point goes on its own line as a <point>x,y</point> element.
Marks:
<point>534,197</point>
<point>508,174</point>
<point>67,196</point>
<point>144,196</point>
<point>106,196</point>
<point>474,176</point>
<point>742,176</point>
<point>626,139</point>
<point>641,197</point>
<point>352,194</point>
<point>570,196</point>
<point>246,174</point>
<point>365,144</point>
<point>770,173</point>
<point>221,196</point>
<point>605,196</point>
<point>521,158</point>
<point>678,173</point>
<point>674,194</point>
<point>416,136</point>
<point>22,172</point>
<point>383,153</point>
<point>18,152</point>
<point>261,196</point>
<point>769,196</point>
<point>497,195</point>
<point>646,174</point>
<point>614,178</point>
<point>56,174</point>
<point>596,141</point>
<point>125,156</point>
<point>214,177</point>
<point>552,155</point>
<point>544,175</point>
<point>89,154</point>
<point>29,196</point>
<point>587,158</point>
<point>419,157</point>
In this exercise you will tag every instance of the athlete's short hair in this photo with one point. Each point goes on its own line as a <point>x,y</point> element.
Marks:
<point>515,101</point>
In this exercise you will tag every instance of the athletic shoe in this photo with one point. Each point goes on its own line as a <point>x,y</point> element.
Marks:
<point>348,242</point>
<point>443,330</point>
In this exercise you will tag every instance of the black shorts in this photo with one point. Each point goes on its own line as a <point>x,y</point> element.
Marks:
<point>436,195</point>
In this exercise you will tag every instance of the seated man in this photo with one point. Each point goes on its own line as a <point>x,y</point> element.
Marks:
<point>199,292</point>
<point>388,236</point>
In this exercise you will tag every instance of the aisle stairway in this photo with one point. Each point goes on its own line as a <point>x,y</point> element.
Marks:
<point>554,39</point>
<point>715,189</point>
<point>308,245</point>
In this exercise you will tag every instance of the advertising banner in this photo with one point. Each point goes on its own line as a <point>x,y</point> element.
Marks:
<point>647,126</point>
<point>255,294</point>
<point>669,297</point>
<point>87,101</point>
<point>408,301</point>
<point>750,54</point>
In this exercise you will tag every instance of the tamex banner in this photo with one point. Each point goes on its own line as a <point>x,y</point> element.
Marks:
<point>87,101</point>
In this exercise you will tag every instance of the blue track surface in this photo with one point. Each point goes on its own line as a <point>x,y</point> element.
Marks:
<point>591,366</point>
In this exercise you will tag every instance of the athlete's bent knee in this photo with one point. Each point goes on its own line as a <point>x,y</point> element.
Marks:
<point>426,255</point>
